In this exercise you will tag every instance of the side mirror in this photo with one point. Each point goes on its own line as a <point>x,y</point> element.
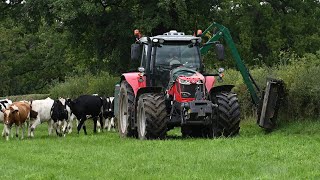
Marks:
<point>135,52</point>
<point>220,51</point>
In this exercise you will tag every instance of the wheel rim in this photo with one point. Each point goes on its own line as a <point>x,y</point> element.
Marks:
<point>142,122</point>
<point>123,114</point>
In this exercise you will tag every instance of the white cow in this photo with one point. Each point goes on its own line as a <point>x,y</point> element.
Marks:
<point>43,107</point>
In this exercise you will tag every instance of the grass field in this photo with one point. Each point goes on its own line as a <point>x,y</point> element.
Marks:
<point>291,152</point>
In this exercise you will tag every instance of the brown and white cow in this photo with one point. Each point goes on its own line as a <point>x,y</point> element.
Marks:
<point>17,113</point>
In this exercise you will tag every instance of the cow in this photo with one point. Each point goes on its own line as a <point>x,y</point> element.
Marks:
<point>62,116</point>
<point>43,108</point>
<point>17,113</point>
<point>4,103</point>
<point>59,115</point>
<point>108,114</point>
<point>86,106</point>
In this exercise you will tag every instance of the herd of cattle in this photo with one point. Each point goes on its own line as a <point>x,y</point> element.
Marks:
<point>59,114</point>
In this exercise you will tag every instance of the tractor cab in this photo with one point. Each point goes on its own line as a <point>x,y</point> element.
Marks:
<point>160,54</point>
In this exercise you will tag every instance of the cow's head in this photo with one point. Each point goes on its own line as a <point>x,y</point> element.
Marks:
<point>10,114</point>
<point>58,111</point>
<point>4,104</point>
<point>69,102</point>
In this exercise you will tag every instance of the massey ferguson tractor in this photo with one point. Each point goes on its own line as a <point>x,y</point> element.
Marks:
<point>171,90</point>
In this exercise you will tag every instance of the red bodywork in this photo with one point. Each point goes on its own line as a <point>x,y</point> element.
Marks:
<point>136,81</point>
<point>175,90</point>
<point>209,82</point>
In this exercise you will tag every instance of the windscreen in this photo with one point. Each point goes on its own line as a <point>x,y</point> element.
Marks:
<point>184,54</point>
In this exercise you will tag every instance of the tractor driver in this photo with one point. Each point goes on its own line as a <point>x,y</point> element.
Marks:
<point>173,58</point>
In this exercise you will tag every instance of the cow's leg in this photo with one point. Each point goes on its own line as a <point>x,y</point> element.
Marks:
<point>33,126</point>
<point>7,132</point>
<point>69,126</point>
<point>98,126</point>
<point>101,122</point>
<point>50,126</point>
<point>95,119</point>
<point>3,132</point>
<point>84,128</point>
<point>57,126</point>
<point>12,134</point>
<point>64,127</point>
<point>28,122</point>
<point>111,123</point>
<point>29,127</point>
<point>83,125</point>
<point>60,127</point>
<point>22,130</point>
<point>106,122</point>
<point>17,130</point>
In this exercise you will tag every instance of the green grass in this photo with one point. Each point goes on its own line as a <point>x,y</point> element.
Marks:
<point>291,152</point>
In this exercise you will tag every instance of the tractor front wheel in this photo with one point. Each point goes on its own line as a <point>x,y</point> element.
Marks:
<point>226,120</point>
<point>152,116</point>
<point>126,110</point>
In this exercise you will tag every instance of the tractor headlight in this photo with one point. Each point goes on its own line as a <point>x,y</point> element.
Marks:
<point>185,82</point>
<point>156,40</point>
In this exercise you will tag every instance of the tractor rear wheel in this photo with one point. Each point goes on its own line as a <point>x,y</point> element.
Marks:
<point>126,110</point>
<point>226,120</point>
<point>152,116</point>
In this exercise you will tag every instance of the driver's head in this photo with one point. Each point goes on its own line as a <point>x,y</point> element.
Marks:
<point>173,53</point>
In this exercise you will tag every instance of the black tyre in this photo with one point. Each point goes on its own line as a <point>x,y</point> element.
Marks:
<point>152,116</point>
<point>126,110</point>
<point>226,120</point>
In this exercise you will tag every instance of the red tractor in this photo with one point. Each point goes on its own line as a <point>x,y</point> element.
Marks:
<point>171,90</point>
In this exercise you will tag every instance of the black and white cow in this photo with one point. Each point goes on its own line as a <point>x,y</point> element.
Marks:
<point>69,122</point>
<point>108,114</point>
<point>87,106</point>
<point>60,116</point>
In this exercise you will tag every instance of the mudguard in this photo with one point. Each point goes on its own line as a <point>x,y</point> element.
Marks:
<point>209,80</point>
<point>135,80</point>
<point>216,89</point>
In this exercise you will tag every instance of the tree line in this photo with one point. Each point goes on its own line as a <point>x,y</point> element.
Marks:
<point>44,42</point>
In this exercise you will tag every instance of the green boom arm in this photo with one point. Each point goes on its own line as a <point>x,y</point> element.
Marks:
<point>223,32</point>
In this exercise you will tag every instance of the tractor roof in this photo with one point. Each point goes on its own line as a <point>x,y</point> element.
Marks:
<point>171,36</point>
